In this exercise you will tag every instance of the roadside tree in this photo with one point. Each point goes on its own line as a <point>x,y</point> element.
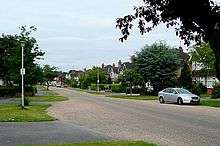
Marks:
<point>91,76</point>
<point>49,73</point>
<point>195,20</point>
<point>10,56</point>
<point>158,64</point>
<point>131,78</point>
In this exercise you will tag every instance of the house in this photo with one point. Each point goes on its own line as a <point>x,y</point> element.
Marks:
<point>206,77</point>
<point>114,71</point>
<point>74,74</point>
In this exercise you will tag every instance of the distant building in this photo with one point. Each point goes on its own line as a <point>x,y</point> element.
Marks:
<point>114,71</point>
<point>206,77</point>
<point>74,74</point>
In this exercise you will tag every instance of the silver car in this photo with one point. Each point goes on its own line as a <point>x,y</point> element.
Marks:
<point>178,95</point>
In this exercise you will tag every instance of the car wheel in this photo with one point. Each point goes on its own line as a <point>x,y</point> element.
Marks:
<point>161,100</point>
<point>179,101</point>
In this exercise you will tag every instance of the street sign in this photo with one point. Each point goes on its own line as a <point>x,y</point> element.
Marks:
<point>22,71</point>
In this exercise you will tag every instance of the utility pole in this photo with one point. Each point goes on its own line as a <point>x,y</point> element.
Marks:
<point>22,75</point>
<point>98,80</point>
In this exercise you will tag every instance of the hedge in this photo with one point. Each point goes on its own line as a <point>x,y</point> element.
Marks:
<point>117,88</point>
<point>16,91</point>
<point>216,92</point>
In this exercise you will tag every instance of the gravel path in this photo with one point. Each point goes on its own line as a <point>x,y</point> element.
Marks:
<point>166,124</point>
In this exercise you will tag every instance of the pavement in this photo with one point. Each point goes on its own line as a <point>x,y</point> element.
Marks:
<point>46,133</point>
<point>166,124</point>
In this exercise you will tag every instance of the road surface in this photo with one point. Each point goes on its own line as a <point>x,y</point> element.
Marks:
<point>166,124</point>
<point>45,133</point>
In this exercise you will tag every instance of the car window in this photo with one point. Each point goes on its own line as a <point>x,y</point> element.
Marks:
<point>166,90</point>
<point>183,91</point>
<point>173,91</point>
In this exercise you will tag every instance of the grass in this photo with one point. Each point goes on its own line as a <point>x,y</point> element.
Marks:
<point>47,98</point>
<point>210,102</point>
<point>36,112</point>
<point>135,97</point>
<point>119,143</point>
<point>14,113</point>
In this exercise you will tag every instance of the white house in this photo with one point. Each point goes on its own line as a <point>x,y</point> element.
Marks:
<point>208,80</point>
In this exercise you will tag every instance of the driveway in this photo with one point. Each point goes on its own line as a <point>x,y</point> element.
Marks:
<point>167,124</point>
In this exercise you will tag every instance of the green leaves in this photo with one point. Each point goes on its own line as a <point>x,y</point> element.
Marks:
<point>10,56</point>
<point>158,64</point>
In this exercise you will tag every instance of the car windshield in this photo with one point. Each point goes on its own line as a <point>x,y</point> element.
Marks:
<point>183,91</point>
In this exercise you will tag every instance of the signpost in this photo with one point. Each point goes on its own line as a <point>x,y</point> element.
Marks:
<point>22,75</point>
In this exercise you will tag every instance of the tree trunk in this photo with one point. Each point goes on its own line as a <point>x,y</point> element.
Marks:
<point>214,40</point>
<point>47,85</point>
<point>131,89</point>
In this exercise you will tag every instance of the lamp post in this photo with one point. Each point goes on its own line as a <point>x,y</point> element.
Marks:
<point>98,80</point>
<point>22,75</point>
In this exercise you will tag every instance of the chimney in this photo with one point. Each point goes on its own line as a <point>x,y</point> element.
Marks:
<point>119,64</point>
<point>113,65</point>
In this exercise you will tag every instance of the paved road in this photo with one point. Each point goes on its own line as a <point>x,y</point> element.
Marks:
<point>166,124</point>
<point>45,133</point>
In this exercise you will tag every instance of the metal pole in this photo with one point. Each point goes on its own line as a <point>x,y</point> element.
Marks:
<point>98,81</point>
<point>22,76</point>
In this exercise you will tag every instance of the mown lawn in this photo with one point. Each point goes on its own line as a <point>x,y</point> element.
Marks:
<point>52,98</point>
<point>210,102</point>
<point>135,97</point>
<point>14,113</point>
<point>120,143</point>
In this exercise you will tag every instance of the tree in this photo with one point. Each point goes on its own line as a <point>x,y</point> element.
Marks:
<point>158,64</point>
<point>195,20</point>
<point>10,56</point>
<point>91,77</point>
<point>204,55</point>
<point>49,73</point>
<point>131,78</point>
<point>185,79</point>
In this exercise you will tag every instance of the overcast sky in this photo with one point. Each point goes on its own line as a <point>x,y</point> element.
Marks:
<point>79,33</point>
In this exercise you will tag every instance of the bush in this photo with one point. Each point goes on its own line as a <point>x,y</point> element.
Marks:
<point>102,87</point>
<point>26,101</point>
<point>216,92</point>
<point>118,88</point>
<point>7,92</point>
<point>16,91</point>
<point>199,88</point>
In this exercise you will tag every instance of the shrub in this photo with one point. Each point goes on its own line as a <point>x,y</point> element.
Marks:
<point>7,92</point>
<point>216,92</point>
<point>16,91</point>
<point>26,101</point>
<point>118,88</point>
<point>199,88</point>
<point>102,87</point>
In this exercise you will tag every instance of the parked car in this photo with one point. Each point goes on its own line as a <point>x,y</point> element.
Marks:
<point>178,95</point>
<point>58,85</point>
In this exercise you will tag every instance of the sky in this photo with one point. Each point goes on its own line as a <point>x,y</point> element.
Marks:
<point>77,34</point>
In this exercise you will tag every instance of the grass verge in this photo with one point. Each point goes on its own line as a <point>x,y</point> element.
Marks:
<point>210,102</point>
<point>47,98</point>
<point>120,143</point>
<point>14,113</point>
<point>135,97</point>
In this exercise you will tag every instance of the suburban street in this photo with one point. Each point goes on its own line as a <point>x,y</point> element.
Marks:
<point>166,124</point>
<point>45,133</point>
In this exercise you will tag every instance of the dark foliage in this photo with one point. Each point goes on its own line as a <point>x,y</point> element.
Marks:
<point>216,92</point>
<point>194,20</point>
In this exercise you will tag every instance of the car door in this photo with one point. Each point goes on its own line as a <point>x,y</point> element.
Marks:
<point>173,95</point>
<point>167,94</point>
